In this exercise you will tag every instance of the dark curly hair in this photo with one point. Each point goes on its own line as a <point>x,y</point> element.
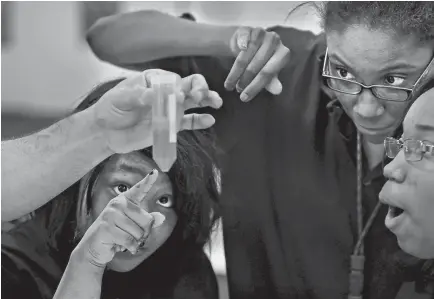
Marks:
<point>408,18</point>
<point>193,177</point>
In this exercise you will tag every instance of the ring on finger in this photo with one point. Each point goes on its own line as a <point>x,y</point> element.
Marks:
<point>142,241</point>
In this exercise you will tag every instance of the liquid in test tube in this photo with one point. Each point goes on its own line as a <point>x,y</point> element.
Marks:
<point>164,113</point>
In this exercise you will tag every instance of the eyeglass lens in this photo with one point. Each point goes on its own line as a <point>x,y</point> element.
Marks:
<point>413,149</point>
<point>339,84</point>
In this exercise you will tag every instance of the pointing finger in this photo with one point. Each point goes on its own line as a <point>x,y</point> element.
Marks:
<point>137,193</point>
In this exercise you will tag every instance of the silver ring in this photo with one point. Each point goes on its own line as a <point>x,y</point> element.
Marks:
<point>142,241</point>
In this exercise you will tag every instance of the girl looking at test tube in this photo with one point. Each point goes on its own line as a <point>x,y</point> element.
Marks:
<point>43,257</point>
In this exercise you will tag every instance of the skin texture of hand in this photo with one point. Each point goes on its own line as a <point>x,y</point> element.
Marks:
<point>134,39</point>
<point>260,56</point>
<point>124,113</point>
<point>122,224</point>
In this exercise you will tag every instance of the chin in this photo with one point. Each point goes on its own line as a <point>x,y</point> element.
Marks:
<point>123,266</point>
<point>375,139</point>
<point>376,136</point>
<point>417,249</point>
<point>116,267</point>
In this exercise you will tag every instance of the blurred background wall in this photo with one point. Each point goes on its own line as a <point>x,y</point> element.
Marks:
<point>46,65</point>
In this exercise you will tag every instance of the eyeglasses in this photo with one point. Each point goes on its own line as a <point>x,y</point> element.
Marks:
<point>414,150</point>
<point>383,92</point>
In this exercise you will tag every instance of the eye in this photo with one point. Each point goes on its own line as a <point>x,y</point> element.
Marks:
<point>394,80</point>
<point>165,201</point>
<point>344,74</point>
<point>121,188</point>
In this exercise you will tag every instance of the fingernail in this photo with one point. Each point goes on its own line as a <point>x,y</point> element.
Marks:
<point>152,176</point>
<point>229,86</point>
<point>153,172</point>
<point>242,42</point>
<point>244,97</point>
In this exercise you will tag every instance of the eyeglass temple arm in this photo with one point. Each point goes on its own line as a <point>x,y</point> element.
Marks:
<point>428,148</point>
<point>427,75</point>
<point>325,60</point>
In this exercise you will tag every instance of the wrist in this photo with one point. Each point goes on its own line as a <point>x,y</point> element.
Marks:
<point>80,261</point>
<point>94,134</point>
<point>220,40</point>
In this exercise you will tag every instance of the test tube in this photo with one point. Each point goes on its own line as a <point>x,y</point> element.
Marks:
<point>164,114</point>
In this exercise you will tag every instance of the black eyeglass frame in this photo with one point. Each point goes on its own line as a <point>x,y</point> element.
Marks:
<point>410,91</point>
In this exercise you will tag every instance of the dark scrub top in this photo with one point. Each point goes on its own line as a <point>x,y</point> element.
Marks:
<point>289,186</point>
<point>33,261</point>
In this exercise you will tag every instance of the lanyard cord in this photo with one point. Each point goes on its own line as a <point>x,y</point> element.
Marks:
<point>356,276</point>
<point>359,192</point>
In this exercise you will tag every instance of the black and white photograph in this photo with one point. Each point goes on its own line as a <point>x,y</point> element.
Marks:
<point>217,149</point>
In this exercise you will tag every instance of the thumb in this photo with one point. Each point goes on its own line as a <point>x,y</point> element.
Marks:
<point>137,193</point>
<point>240,40</point>
<point>128,99</point>
<point>275,86</point>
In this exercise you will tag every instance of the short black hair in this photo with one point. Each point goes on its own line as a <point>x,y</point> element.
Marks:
<point>408,18</point>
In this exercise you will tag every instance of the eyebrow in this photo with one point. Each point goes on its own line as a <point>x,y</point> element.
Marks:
<point>425,127</point>
<point>137,168</point>
<point>399,66</point>
<point>340,60</point>
<point>161,190</point>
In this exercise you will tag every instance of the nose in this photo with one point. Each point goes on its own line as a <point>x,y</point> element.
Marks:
<point>395,170</point>
<point>367,105</point>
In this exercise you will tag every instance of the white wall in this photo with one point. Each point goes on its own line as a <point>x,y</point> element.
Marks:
<point>48,67</point>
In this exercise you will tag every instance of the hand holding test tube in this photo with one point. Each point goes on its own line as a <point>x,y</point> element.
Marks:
<point>124,115</point>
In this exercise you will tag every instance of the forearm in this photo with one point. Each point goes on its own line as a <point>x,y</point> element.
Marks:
<point>80,280</point>
<point>40,166</point>
<point>142,36</point>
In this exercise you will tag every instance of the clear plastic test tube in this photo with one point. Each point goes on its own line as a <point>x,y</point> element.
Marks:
<point>164,122</point>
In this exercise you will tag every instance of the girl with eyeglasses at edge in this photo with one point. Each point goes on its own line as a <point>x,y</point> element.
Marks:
<point>302,169</point>
<point>408,192</point>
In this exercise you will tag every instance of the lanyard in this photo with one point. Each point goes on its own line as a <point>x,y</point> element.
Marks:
<point>356,275</point>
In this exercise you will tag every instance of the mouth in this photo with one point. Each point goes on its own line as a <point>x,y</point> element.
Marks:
<point>394,218</point>
<point>395,211</point>
<point>373,129</point>
<point>395,214</point>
